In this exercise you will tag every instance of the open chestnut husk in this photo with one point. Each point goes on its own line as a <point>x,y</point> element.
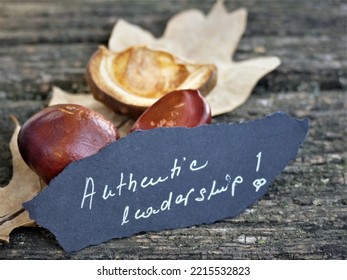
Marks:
<point>187,108</point>
<point>132,80</point>
<point>61,134</point>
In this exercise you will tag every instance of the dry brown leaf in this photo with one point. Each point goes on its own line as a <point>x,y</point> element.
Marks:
<point>23,186</point>
<point>205,39</point>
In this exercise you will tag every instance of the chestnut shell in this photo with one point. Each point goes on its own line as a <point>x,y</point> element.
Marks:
<point>132,80</point>
<point>60,134</point>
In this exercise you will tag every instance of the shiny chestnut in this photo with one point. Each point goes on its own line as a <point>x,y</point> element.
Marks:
<point>60,134</point>
<point>187,108</point>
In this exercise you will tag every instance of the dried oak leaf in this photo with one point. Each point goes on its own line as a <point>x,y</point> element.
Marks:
<point>23,186</point>
<point>210,39</point>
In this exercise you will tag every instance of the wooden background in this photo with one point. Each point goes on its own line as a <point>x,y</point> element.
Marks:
<point>303,216</point>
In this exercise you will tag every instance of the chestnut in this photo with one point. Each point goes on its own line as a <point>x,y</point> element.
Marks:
<point>60,134</point>
<point>186,108</point>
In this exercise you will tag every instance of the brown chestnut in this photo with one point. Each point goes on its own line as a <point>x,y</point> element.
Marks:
<point>60,134</point>
<point>187,108</point>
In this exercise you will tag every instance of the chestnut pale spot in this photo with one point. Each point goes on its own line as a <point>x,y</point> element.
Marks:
<point>68,110</point>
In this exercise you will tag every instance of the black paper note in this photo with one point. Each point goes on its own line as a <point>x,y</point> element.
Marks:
<point>166,178</point>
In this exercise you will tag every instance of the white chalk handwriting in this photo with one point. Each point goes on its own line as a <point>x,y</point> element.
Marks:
<point>176,195</point>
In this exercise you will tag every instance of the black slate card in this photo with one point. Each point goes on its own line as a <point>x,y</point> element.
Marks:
<point>166,178</point>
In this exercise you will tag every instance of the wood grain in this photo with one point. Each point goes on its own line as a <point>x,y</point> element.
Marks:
<point>303,216</point>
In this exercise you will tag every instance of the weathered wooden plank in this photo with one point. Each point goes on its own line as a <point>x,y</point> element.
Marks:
<point>304,215</point>
<point>267,17</point>
<point>46,43</point>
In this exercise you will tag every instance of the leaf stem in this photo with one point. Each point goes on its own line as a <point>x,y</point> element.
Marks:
<point>12,216</point>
